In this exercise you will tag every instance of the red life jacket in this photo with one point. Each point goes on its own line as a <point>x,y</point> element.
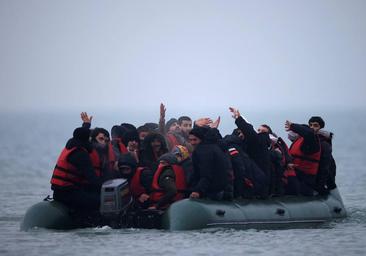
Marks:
<point>65,174</point>
<point>112,156</point>
<point>307,163</point>
<point>180,182</point>
<point>97,165</point>
<point>172,140</point>
<point>136,187</point>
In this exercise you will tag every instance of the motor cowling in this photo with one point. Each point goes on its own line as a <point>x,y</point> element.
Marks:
<point>115,198</point>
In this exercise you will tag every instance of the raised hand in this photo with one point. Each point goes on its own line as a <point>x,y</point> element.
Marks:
<point>288,125</point>
<point>162,110</point>
<point>234,112</point>
<point>85,118</point>
<point>205,121</point>
<point>216,123</point>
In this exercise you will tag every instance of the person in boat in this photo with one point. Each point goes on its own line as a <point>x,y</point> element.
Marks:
<point>306,152</point>
<point>283,179</point>
<point>116,145</point>
<point>212,168</point>
<point>171,130</point>
<point>154,146</point>
<point>327,167</point>
<point>103,159</point>
<point>143,131</point>
<point>169,183</point>
<point>185,123</point>
<point>139,179</point>
<point>74,181</point>
<point>256,147</point>
<point>185,161</point>
<point>132,141</point>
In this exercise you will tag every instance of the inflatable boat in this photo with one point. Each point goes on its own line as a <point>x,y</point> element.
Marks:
<point>187,214</point>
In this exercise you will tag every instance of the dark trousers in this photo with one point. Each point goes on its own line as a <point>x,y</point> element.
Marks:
<point>78,199</point>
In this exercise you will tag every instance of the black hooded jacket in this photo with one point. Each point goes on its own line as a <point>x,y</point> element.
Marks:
<point>211,165</point>
<point>256,145</point>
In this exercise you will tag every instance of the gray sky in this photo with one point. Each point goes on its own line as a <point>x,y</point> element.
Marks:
<point>189,54</point>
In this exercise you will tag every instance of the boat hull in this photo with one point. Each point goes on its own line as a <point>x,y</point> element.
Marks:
<point>188,214</point>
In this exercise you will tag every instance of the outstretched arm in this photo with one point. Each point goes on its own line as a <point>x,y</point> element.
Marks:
<point>86,119</point>
<point>162,118</point>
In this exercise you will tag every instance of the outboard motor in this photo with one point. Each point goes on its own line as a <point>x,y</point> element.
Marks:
<point>115,201</point>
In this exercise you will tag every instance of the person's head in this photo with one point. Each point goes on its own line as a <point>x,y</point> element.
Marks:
<point>100,136</point>
<point>237,132</point>
<point>128,127</point>
<point>143,131</point>
<point>117,132</point>
<point>152,126</point>
<point>168,159</point>
<point>131,139</point>
<point>81,134</point>
<point>197,135</point>
<point>127,165</point>
<point>316,123</point>
<point>180,152</point>
<point>172,125</point>
<point>185,124</point>
<point>264,128</point>
<point>155,143</point>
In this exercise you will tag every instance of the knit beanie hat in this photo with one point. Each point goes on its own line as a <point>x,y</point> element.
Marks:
<point>169,158</point>
<point>170,123</point>
<point>152,126</point>
<point>96,131</point>
<point>117,132</point>
<point>130,136</point>
<point>182,151</point>
<point>317,119</point>
<point>81,134</point>
<point>199,132</point>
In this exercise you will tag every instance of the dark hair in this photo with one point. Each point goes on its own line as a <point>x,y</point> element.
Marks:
<point>117,132</point>
<point>151,126</point>
<point>128,127</point>
<point>318,120</point>
<point>94,133</point>
<point>269,128</point>
<point>148,158</point>
<point>183,118</point>
<point>143,128</point>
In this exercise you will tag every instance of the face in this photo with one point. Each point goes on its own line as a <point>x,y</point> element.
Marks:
<point>262,129</point>
<point>241,135</point>
<point>315,126</point>
<point>186,126</point>
<point>174,127</point>
<point>142,135</point>
<point>102,139</point>
<point>156,145</point>
<point>133,145</point>
<point>193,140</point>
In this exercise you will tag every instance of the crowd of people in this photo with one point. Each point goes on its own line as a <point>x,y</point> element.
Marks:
<point>167,161</point>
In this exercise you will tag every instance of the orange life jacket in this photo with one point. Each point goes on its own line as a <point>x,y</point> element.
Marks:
<point>180,181</point>
<point>307,163</point>
<point>136,187</point>
<point>97,165</point>
<point>112,156</point>
<point>65,174</point>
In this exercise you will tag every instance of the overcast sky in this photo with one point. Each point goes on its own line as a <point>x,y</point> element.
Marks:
<point>188,54</point>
